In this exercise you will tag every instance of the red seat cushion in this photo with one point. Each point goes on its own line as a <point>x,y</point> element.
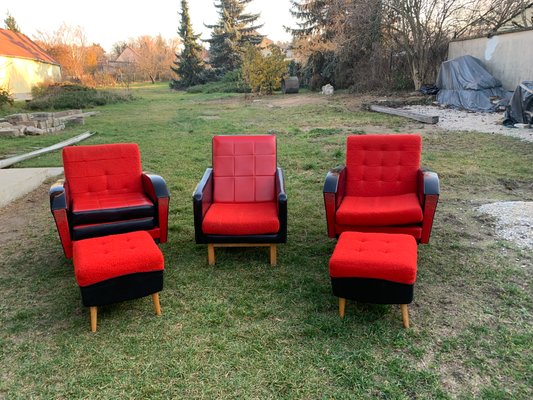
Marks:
<point>390,257</point>
<point>102,258</point>
<point>241,219</point>
<point>380,211</point>
<point>93,201</point>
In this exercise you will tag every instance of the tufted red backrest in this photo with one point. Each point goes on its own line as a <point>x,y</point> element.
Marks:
<point>381,165</point>
<point>106,168</point>
<point>244,168</point>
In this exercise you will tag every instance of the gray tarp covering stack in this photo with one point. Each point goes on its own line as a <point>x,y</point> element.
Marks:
<point>521,102</point>
<point>465,83</point>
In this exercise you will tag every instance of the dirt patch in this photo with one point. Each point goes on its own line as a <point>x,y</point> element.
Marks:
<point>285,101</point>
<point>27,211</point>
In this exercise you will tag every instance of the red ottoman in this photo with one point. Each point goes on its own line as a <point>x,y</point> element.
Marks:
<point>115,268</point>
<point>374,268</point>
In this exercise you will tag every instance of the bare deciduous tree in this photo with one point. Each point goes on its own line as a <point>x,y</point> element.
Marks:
<point>355,37</point>
<point>155,55</point>
<point>68,45</point>
<point>422,29</point>
<point>492,15</point>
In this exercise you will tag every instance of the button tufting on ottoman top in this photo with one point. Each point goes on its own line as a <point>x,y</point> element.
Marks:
<point>385,256</point>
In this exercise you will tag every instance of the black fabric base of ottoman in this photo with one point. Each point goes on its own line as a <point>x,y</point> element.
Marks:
<point>376,291</point>
<point>122,288</point>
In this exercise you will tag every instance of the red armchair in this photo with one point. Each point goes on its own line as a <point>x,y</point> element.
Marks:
<point>382,188</point>
<point>105,192</point>
<point>241,200</point>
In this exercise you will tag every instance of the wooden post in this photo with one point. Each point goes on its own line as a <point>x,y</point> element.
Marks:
<point>157,305</point>
<point>273,255</point>
<point>211,254</point>
<point>426,119</point>
<point>12,160</point>
<point>94,318</point>
<point>342,306</point>
<point>405,315</point>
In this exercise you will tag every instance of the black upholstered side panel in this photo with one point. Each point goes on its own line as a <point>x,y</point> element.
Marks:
<point>376,291</point>
<point>122,288</point>
<point>112,214</point>
<point>112,228</point>
<point>271,238</point>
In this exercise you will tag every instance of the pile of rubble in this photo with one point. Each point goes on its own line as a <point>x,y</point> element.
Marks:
<point>41,122</point>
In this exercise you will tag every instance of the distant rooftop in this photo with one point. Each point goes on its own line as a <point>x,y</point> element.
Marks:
<point>17,45</point>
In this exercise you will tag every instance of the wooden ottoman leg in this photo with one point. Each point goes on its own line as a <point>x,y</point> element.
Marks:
<point>211,254</point>
<point>157,305</point>
<point>405,315</point>
<point>273,255</point>
<point>342,305</point>
<point>94,318</point>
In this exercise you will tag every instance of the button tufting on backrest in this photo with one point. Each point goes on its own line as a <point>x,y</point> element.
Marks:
<point>381,165</point>
<point>103,168</point>
<point>244,168</point>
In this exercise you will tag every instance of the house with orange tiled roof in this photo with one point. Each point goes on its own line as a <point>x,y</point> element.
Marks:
<point>23,64</point>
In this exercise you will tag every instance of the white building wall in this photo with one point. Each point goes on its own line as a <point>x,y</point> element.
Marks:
<point>19,75</point>
<point>508,57</point>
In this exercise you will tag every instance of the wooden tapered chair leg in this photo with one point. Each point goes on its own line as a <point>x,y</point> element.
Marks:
<point>405,315</point>
<point>94,318</point>
<point>273,255</point>
<point>342,306</point>
<point>157,305</point>
<point>211,254</point>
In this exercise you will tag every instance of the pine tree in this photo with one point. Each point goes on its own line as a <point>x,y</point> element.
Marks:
<point>189,65</point>
<point>11,24</point>
<point>230,36</point>
<point>314,16</point>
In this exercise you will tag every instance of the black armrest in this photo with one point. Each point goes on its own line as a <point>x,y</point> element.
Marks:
<point>204,184</point>
<point>280,186</point>
<point>431,183</point>
<point>331,184</point>
<point>58,196</point>
<point>333,190</point>
<point>59,204</point>
<point>202,198</point>
<point>428,194</point>
<point>155,186</point>
<point>282,204</point>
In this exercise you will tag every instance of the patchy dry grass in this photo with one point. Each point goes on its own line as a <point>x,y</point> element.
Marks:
<point>246,330</point>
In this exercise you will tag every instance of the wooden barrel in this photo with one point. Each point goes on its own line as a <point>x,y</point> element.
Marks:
<point>290,85</point>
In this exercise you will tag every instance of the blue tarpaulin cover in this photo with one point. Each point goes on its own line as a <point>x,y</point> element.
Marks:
<point>464,83</point>
<point>521,102</point>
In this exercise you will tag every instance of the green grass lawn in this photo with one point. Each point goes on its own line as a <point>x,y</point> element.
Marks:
<point>244,329</point>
